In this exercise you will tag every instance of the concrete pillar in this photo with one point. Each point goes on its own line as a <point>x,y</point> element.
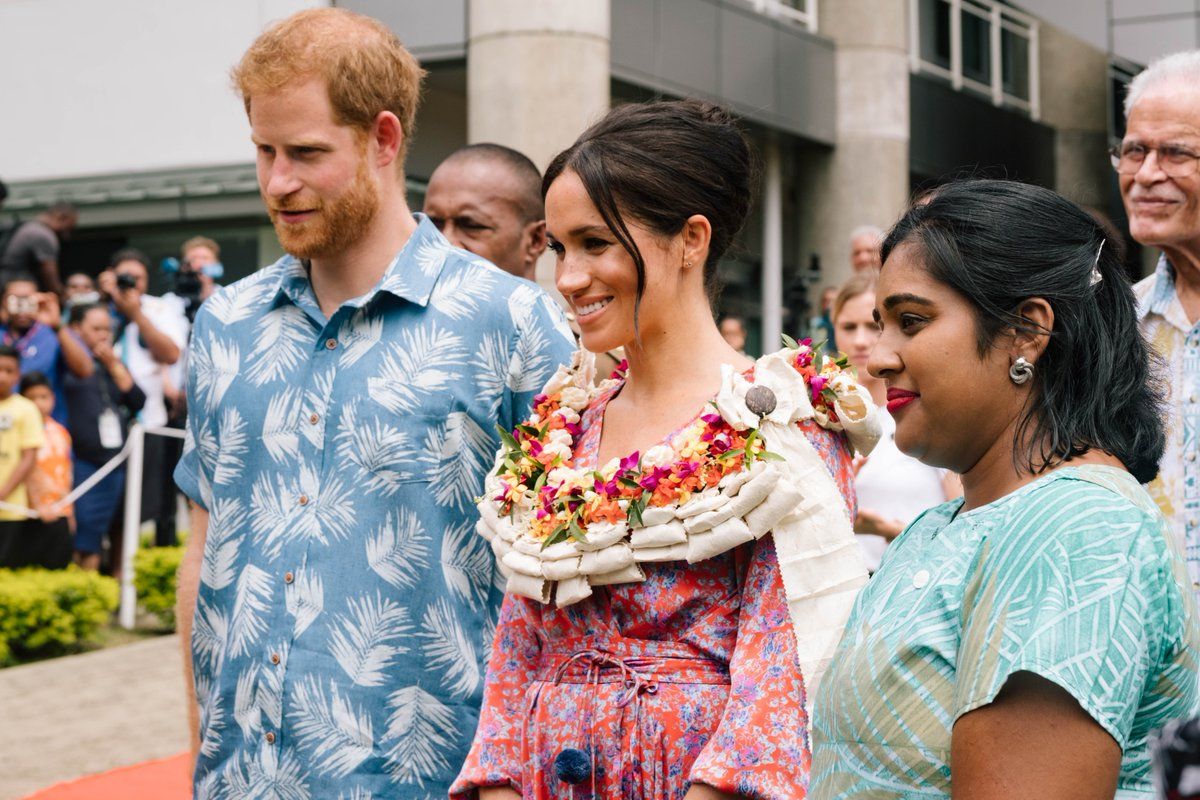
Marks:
<point>1075,103</point>
<point>772,247</point>
<point>537,75</point>
<point>864,180</point>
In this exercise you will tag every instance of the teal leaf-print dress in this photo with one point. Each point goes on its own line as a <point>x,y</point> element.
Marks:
<point>1074,577</point>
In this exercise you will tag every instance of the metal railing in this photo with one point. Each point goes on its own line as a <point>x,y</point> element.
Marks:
<point>998,20</point>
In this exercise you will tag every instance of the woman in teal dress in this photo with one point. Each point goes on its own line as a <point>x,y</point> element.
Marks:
<point>1022,641</point>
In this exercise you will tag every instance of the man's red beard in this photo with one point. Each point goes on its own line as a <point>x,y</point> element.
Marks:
<point>335,225</point>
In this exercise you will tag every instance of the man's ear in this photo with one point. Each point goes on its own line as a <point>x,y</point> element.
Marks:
<point>1033,340</point>
<point>535,240</point>
<point>388,136</point>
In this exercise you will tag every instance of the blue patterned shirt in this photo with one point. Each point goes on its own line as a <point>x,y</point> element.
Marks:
<point>346,605</point>
<point>1169,331</point>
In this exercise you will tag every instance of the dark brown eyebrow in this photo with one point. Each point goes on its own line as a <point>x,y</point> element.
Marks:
<point>896,299</point>
<point>584,230</point>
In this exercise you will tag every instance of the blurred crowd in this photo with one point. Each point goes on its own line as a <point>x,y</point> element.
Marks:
<point>83,357</point>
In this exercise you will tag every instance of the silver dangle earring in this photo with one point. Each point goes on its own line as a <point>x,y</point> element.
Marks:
<point>1021,371</point>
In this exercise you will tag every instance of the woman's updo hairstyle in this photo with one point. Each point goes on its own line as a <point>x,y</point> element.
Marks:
<point>660,163</point>
<point>999,243</point>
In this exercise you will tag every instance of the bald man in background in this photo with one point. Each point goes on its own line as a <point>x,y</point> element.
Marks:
<point>487,198</point>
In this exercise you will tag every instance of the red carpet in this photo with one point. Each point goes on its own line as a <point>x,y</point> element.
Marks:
<point>165,779</point>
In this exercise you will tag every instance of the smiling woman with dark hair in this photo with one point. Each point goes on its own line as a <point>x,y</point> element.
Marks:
<point>647,647</point>
<point>1024,640</point>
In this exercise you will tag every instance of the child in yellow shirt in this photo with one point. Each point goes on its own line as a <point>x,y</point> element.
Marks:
<point>21,436</point>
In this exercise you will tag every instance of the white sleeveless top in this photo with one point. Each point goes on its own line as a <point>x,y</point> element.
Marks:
<point>893,485</point>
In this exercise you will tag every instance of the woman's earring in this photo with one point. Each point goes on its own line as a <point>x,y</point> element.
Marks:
<point>1021,371</point>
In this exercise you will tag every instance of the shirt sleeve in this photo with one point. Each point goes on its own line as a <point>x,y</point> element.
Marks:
<point>1079,591</point>
<point>495,757</point>
<point>44,246</point>
<point>33,429</point>
<point>544,342</point>
<point>760,748</point>
<point>188,473</point>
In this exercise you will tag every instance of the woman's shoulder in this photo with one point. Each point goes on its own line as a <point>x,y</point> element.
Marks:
<point>1076,513</point>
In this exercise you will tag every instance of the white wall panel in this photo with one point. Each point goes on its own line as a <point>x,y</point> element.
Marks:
<point>99,86</point>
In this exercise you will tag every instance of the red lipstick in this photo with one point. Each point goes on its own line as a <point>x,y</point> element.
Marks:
<point>899,398</point>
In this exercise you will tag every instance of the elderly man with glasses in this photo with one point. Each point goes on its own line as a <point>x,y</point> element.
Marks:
<point>1158,163</point>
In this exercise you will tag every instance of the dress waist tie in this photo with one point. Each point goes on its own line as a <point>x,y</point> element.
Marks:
<point>639,674</point>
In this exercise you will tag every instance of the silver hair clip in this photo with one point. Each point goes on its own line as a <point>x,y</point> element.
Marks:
<point>1096,276</point>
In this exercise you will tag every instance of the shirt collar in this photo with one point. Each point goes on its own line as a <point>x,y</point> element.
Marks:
<point>412,275</point>
<point>1158,301</point>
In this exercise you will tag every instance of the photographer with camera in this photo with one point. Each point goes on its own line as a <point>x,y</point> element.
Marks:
<point>195,274</point>
<point>193,280</point>
<point>31,322</point>
<point>149,334</point>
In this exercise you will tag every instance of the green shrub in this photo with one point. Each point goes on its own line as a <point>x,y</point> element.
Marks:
<point>48,610</point>
<point>154,571</point>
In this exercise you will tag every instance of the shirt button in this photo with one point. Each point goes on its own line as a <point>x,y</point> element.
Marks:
<point>331,344</point>
<point>920,578</point>
<point>302,500</point>
<point>288,577</point>
<point>274,658</point>
<point>314,419</point>
<point>270,737</point>
<point>1191,456</point>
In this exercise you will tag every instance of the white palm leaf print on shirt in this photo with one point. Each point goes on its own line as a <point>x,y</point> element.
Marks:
<point>365,641</point>
<point>358,335</point>
<point>269,693</point>
<point>380,450</point>
<point>339,736</point>
<point>430,255</point>
<point>448,651</point>
<point>215,364</point>
<point>466,453</point>
<point>467,563</point>
<point>285,335</point>
<point>271,774</point>
<point>459,293</point>
<point>246,711</point>
<point>521,304</point>
<point>420,731</point>
<point>531,362</point>
<point>491,376</point>
<point>212,717</point>
<point>399,549</point>
<point>247,623</point>
<point>229,454</point>
<point>279,433</point>
<point>210,630</point>
<point>305,598</point>
<point>424,361</point>
<point>236,303</point>
<point>219,569</point>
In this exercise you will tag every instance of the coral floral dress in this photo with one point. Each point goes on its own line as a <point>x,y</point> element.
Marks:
<point>688,677</point>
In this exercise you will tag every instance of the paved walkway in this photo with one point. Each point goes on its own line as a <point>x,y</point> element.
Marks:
<point>79,715</point>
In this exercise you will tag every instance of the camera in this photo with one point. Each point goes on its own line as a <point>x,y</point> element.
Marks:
<point>126,281</point>
<point>184,278</point>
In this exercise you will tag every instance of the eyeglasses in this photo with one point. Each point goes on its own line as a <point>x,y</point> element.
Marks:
<point>1174,160</point>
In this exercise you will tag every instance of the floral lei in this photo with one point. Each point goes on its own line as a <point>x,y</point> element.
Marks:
<point>536,472</point>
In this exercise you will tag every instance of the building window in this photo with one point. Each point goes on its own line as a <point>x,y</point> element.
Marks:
<point>803,12</point>
<point>980,46</point>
